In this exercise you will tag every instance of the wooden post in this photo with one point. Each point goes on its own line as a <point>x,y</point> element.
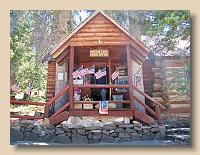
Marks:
<point>130,77</point>
<point>157,109</point>
<point>109,68</point>
<point>71,65</point>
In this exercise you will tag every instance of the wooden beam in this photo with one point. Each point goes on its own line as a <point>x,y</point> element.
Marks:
<point>28,102</point>
<point>63,54</point>
<point>102,86</point>
<point>60,49</point>
<point>26,117</point>
<point>107,43</point>
<point>95,112</point>
<point>58,95</point>
<point>65,59</point>
<point>71,70</point>
<point>97,102</point>
<point>130,76</point>
<point>60,110</point>
<point>137,54</point>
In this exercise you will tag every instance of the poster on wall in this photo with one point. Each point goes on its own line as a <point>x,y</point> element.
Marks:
<point>138,81</point>
<point>60,76</point>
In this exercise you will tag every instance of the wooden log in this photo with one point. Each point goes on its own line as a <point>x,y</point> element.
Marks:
<point>86,35</point>
<point>157,87</point>
<point>157,109</point>
<point>26,117</point>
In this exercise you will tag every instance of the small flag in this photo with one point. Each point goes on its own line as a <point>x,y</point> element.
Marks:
<point>15,87</point>
<point>115,74</point>
<point>89,70</point>
<point>77,73</point>
<point>29,89</point>
<point>100,73</point>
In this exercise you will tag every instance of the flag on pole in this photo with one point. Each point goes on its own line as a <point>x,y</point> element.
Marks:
<point>15,87</point>
<point>77,73</point>
<point>115,74</point>
<point>29,89</point>
<point>89,70</point>
<point>100,73</point>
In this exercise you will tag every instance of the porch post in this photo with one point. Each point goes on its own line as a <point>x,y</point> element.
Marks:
<point>130,77</point>
<point>71,65</point>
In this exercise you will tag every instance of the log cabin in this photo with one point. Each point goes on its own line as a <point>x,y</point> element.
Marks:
<point>101,42</point>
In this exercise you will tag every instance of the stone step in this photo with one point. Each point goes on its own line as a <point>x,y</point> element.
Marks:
<point>178,138</point>
<point>178,130</point>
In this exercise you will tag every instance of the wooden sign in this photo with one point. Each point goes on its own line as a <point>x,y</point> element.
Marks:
<point>99,53</point>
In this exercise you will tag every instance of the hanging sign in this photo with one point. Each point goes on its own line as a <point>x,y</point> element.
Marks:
<point>60,76</point>
<point>99,53</point>
<point>138,81</point>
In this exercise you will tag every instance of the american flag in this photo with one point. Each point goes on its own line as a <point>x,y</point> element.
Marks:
<point>100,73</point>
<point>29,89</point>
<point>77,73</point>
<point>89,70</point>
<point>115,74</point>
<point>15,87</point>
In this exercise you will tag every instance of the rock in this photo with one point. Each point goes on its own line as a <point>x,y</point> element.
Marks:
<point>117,140</point>
<point>124,140</point>
<point>46,121</point>
<point>63,139</point>
<point>114,134</point>
<point>158,136</point>
<point>126,120</point>
<point>49,131</point>
<point>59,131</point>
<point>120,119</point>
<point>32,137</point>
<point>50,138</point>
<point>96,131</point>
<point>89,136</point>
<point>148,136</point>
<point>97,136</point>
<point>146,131</point>
<point>105,132</point>
<point>50,127</point>
<point>126,126</point>
<point>107,139</point>
<point>119,130</point>
<point>155,129</point>
<point>81,132</point>
<point>27,122</point>
<point>138,128</point>
<point>130,130</point>
<point>135,137</point>
<point>109,127</point>
<point>93,127</point>
<point>16,135</point>
<point>79,139</point>
<point>124,135</point>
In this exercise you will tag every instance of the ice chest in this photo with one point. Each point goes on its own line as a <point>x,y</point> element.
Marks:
<point>118,97</point>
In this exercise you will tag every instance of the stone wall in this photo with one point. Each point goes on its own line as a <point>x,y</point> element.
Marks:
<point>77,130</point>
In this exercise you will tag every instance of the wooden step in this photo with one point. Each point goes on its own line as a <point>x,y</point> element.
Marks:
<point>59,118</point>
<point>144,117</point>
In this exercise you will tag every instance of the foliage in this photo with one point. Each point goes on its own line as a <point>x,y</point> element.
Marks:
<point>24,67</point>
